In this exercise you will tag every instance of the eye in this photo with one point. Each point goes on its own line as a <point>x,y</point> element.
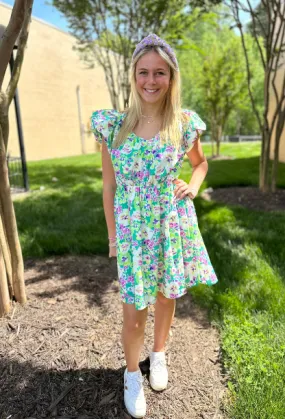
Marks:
<point>161,73</point>
<point>142,72</point>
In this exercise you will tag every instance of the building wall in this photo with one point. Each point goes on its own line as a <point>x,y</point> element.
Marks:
<point>272,106</point>
<point>50,75</point>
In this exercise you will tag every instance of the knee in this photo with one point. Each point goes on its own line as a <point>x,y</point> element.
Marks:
<point>134,321</point>
<point>133,326</point>
<point>161,299</point>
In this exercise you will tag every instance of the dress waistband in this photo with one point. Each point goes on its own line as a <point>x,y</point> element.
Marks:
<point>152,182</point>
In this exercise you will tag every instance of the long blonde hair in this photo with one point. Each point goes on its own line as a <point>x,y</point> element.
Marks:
<point>170,131</point>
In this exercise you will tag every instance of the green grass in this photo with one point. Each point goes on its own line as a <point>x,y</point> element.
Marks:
<point>67,215</point>
<point>236,150</point>
<point>247,249</point>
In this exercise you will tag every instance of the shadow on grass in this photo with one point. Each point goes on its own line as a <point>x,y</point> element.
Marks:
<point>248,253</point>
<point>63,174</point>
<point>62,222</point>
<point>236,172</point>
<point>28,391</point>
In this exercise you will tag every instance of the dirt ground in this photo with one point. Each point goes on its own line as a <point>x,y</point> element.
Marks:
<point>61,355</point>
<point>248,197</point>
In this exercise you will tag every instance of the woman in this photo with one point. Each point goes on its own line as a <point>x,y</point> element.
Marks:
<point>150,216</point>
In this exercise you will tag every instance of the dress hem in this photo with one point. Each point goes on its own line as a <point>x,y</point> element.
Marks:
<point>170,298</point>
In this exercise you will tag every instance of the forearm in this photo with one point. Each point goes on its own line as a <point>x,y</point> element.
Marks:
<point>198,175</point>
<point>108,204</point>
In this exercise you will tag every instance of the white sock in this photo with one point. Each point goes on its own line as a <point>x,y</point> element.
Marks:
<point>133,372</point>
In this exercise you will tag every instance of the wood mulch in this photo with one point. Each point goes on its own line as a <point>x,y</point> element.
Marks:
<point>248,197</point>
<point>61,355</point>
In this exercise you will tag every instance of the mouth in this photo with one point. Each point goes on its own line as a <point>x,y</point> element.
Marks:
<point>151,91</point>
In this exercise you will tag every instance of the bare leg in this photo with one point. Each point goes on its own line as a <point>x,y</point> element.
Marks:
<point>164,313</point>
<point>133,334</point>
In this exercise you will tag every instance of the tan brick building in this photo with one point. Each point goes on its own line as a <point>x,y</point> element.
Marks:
<point>272,105</point>
<point>48,95</point>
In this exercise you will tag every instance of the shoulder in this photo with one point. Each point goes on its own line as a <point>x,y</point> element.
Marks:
<point>193,126</point>
<point>191,120</point>
<point>103,120</point>
<point>106,115</point>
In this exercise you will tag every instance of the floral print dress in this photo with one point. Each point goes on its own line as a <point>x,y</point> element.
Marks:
<point>159,245</point>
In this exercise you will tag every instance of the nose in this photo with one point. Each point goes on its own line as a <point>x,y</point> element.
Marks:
<point>151,78</point>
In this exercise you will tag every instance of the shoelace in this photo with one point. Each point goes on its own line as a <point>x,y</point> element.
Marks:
<point>157,365</point>
<point>134,384</point>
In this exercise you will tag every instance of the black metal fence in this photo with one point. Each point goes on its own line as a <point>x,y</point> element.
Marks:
<point>16,174</point>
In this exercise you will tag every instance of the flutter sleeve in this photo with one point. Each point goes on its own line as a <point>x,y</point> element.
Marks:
<point>102,125</point>
<point>193,129</point>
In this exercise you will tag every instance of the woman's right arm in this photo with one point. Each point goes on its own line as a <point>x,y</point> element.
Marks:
<point>109,190</point>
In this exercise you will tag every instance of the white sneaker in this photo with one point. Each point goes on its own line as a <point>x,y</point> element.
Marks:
<point>133,394</point>
<point>158,377</point>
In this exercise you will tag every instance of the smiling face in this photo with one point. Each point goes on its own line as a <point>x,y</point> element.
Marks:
<point>152,78</point>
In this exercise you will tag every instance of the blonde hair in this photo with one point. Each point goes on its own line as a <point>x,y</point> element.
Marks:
<point>173,117</point>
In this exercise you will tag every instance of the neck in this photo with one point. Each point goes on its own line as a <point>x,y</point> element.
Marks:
<point>149,109</point>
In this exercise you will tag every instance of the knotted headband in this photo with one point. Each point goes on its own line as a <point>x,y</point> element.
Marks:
<point>152,40</point>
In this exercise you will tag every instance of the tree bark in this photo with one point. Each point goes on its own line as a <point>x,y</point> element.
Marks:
<point>4,293</point>
<point>4,118</point>
<point>279,130</point>
<point>219,137</point>
<point>6,255</point>
<point>264,162</point>
<point>11,260</point>
<point>10,35</point>
<point>10,227</point>
<point>218,148</point>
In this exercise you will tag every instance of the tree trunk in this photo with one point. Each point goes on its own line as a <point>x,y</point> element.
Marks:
<point>279,129</point>
<point>4,293</point>
<point>218,139</point>
<point>11,260</point>
<point>6,255</point>
<point>218,148</point>
<point>10,228</point>
<point>264,162</point>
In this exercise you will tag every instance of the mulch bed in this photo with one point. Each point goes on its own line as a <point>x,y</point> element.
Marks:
<point>61,355</point>
<point>248,197</point>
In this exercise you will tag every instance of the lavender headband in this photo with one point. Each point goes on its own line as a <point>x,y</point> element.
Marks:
<point>153,40</point>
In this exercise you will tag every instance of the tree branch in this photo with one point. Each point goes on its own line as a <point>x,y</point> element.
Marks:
<point>4,119</point>
<point>10,36</point>
<point>256,34</point>
<point>20,52</point>
<point>236,16</point>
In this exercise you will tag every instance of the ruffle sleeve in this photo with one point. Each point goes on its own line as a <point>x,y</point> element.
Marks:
<point>193,128</point>
<point>103,123</point>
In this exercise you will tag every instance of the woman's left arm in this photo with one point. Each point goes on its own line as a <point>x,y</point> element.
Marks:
<point>200,169</point>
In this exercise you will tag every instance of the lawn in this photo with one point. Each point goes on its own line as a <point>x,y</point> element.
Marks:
<point>65,216</point>
<point>236,150</point>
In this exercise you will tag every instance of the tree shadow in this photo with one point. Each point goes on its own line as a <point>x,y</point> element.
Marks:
<point>29,391</point>
<point>56,277</point>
